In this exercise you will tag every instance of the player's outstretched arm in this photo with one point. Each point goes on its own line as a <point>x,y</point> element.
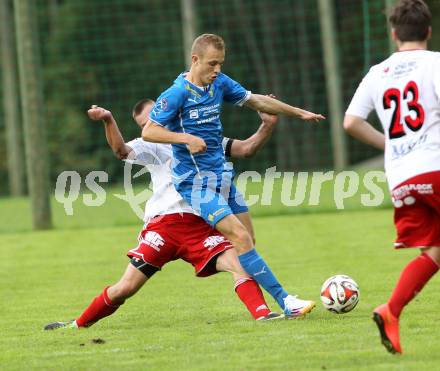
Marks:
<point>112,133</point>
<point>271,105</point>
<point>155,133</point>
<point>250,146</point>
<point>363,131</point>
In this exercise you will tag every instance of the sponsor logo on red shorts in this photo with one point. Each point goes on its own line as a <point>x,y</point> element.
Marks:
<point>402,195</point>
<point>213,241</point>
<point>154,240</point>
<point>405,190</point>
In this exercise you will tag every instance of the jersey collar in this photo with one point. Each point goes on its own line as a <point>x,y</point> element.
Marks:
<point>192,87</point>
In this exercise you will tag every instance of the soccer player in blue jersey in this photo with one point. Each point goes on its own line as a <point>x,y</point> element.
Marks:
<point>187,115</point>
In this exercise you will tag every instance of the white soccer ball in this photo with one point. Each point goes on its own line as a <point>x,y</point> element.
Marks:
<point>340,294</point>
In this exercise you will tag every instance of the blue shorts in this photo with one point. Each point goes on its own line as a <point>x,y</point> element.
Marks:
<point>211,201</point>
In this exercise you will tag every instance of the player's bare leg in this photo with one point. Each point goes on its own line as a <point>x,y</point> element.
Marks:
<point>228,262</point>
<point>231,227</point>
<point>108,301</point>
<point>412,280</point>
<point>433,252</point>
<point>129,284</point>
<point>246,220</point>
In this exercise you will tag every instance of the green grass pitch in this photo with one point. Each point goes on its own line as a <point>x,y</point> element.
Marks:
<point>179,322</point>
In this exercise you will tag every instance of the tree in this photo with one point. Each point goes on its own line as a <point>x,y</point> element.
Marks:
<point>14,148</point>
<point>33,112</point>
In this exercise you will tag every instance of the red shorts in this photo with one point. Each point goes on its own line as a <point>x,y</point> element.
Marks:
<point>180,236</point>
<point>417,211</point>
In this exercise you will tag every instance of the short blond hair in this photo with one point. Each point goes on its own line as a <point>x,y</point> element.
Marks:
<point>201,43</point>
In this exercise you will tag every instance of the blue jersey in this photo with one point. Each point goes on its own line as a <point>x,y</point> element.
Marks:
<point>187,108</point>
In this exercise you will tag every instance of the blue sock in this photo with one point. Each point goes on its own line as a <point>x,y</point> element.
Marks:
<point>256,267</point>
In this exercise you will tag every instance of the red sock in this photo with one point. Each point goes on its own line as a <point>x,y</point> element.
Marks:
<point>99,308</point>
<point>250,294</point>
<point>412,279</point>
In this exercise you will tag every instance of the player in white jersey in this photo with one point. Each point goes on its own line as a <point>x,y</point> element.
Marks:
<point>404,90</point>
<point>172,229</point>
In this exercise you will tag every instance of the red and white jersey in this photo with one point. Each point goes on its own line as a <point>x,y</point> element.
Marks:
<point>157,158</point>
<point>405,92</point>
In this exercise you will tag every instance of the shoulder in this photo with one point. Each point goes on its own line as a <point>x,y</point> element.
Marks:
<point>379,68</point>
<point>376,72</point>
<point>429,54</point>
<point>139,145</point>
<point>227,83</point>
<point>164,151</point>
<point>223,78</point>
<point>176,90</point>
<point>169,102</point>
<point>435,56</point>
<point>147,153</point>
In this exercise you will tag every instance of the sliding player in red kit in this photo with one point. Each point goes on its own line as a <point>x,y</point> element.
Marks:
<point>172,229</point>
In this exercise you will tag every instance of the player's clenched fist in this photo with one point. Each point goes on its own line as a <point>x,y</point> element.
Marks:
<point>98,113</point>
<point>196,145</point>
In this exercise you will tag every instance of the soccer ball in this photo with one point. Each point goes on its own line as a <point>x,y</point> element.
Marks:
<point>340,294</point>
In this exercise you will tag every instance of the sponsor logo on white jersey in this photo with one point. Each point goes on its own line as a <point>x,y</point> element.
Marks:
<point>213,241</point>
<point>408,146</point>
<point>154,240</point>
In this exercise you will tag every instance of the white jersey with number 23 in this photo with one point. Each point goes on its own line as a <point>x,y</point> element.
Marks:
<point>405,92</point>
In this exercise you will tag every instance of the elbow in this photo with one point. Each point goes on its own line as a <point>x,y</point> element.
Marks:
<point>257,103</point>
<point>248,151</point>
<point>120,155</point>
<point>146,132</point>
<point>348,124</point>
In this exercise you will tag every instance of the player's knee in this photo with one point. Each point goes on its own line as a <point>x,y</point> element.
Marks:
<point>239,233</point>
<point>237,271</point>
<point>228,262</point>
<point>242,237</point>
<point>254,241</point>
<point>433,253</point>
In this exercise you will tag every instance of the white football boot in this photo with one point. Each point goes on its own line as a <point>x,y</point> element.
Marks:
<point>294,307</point>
